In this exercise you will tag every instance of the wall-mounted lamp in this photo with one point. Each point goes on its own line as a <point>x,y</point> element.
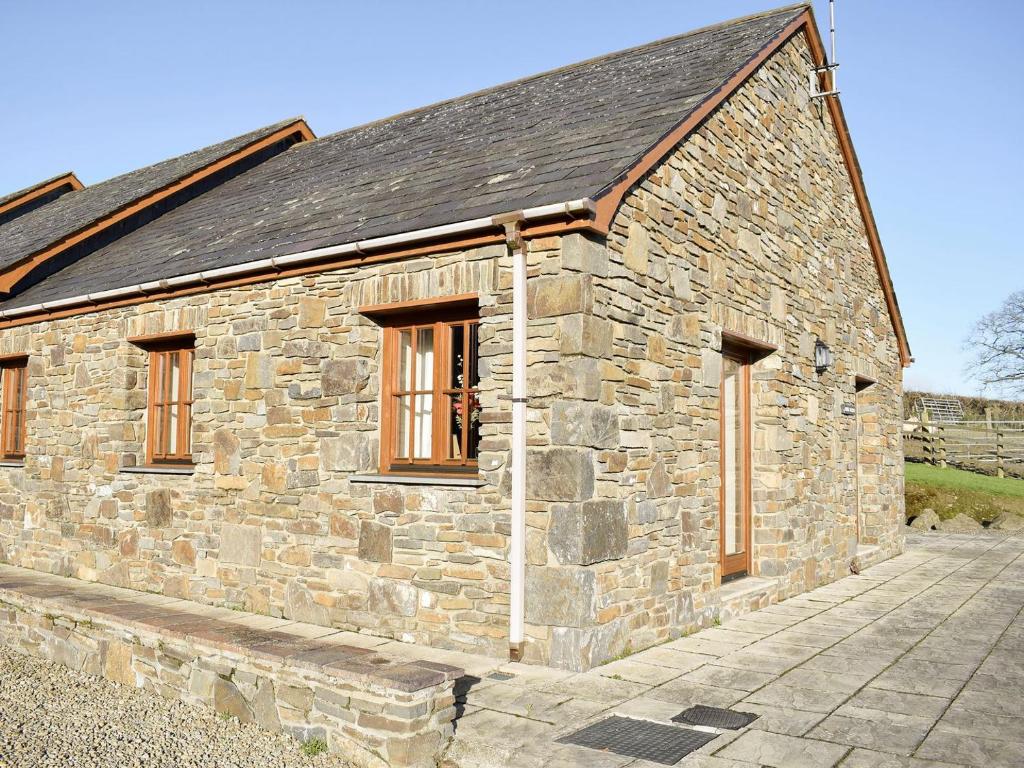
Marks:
<point>822,356</point>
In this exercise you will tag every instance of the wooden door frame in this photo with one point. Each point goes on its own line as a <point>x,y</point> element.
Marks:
<point>735,566</point>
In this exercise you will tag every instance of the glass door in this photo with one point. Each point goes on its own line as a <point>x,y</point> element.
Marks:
<point>735,466</point>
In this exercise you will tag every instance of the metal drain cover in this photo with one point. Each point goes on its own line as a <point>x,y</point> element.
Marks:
<point>500,676</point>
<point>715,717</point>
<point>665,744</point>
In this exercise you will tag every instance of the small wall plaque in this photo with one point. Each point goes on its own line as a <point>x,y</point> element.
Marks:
<point>849,409</point>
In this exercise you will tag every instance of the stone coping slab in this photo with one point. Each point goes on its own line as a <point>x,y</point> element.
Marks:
<point>379,709</point>
<point>97,602</point>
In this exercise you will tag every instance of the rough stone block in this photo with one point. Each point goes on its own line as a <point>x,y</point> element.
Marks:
<point>591,532</point>
<point>229,701</point>
<point>388,596</point>
<point>241,544</point>
<point>374,542</point>
<point>562,295</point>
<point>560,597</point>
<point>299,605</point>
<point>158,508</point>
<point>259,371</point>
<point>347,376</point>
<point>585,335</point>
<point>637,245</point>
<point>350,452</point>
<point>581,254</point>
<point>227,452</point>
<point>579,649</point>
<point>578,422</point>
<point>560,474</point>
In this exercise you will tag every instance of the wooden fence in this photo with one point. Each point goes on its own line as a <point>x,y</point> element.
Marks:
<point>988,444</point>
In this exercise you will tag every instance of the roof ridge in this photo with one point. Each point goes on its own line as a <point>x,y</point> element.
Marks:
<point>262,129</point>
<point>559,70</point>
<point>33,187</point>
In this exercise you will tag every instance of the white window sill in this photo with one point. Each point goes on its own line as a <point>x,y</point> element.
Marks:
<point>470,481</point>
<point>12,464</point>
<point>155,470</point>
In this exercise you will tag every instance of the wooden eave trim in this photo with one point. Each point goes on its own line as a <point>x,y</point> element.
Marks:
<point>68,179</point>
<point>401,307</point>
<point>609,200</point>
<point>13,359</point>
<point>861,382</point>
<point>736,339</point>
<point>13,274</point>
<point>148,342</point>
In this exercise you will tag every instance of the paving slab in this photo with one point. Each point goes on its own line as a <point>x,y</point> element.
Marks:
<point>867,758</point>
<point>781,751</point>
<point>871,729</point>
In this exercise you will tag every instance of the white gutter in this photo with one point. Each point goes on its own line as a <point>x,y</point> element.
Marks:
<point>583,206</point>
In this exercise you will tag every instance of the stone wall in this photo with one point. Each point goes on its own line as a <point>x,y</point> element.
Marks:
<point>286,411</point>
<point>750,227</point>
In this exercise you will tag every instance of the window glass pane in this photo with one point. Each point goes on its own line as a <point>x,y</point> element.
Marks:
<point>186,446</point>
<point>158,379</point>
<point>457,340</point>
<point>402,404</point>
<point>158,430</point>
<point>455,410</point>
<point>175,382</point>
<point>474,374</point>
<point>474,426</point>
<point>423,432</point>
<point>187,358</point>
<point>405,360</point>
<point>425,359</point>
<point>172,429</point>
<point>733,456</point>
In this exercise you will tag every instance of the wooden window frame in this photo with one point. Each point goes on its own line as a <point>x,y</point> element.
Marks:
<point>13,373</point>
<point>739,565</point>
<point>440,319</point>
<point>162,348</point>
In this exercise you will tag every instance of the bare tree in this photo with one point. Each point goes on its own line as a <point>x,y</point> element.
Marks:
<point>996,346</point>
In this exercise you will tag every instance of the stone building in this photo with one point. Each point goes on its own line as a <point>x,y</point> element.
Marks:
<point>563,368</point>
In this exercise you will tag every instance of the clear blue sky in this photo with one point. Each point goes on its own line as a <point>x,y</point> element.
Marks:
<point>931,90</point>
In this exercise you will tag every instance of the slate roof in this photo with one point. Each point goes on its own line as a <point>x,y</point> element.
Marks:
<point>550,138</point>
<point>22,192</point>
<point>75,210</point>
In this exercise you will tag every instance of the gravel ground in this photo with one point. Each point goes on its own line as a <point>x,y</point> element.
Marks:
<point>51,717</point>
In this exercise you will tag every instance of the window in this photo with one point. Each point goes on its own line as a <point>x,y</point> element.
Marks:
<point>431,397</point>
<point>169,428</point>
<point>13,382</point>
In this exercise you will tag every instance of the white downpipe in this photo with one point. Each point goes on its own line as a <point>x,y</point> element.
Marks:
<point>583,206</point>
<point>517,553</point>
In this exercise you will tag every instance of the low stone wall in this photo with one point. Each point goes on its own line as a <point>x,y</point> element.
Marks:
<point>400,716</point>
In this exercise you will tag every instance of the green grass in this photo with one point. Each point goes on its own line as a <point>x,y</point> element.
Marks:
<point>959,479</point>
<point>949,491</point>
<point>314,747</point>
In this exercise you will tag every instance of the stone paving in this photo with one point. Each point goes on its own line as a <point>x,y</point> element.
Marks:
<point>916,663</point>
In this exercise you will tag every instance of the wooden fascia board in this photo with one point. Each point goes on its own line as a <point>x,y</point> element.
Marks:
<point>608,201</point>
<point>68,179</point>
<point>13,274</point>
